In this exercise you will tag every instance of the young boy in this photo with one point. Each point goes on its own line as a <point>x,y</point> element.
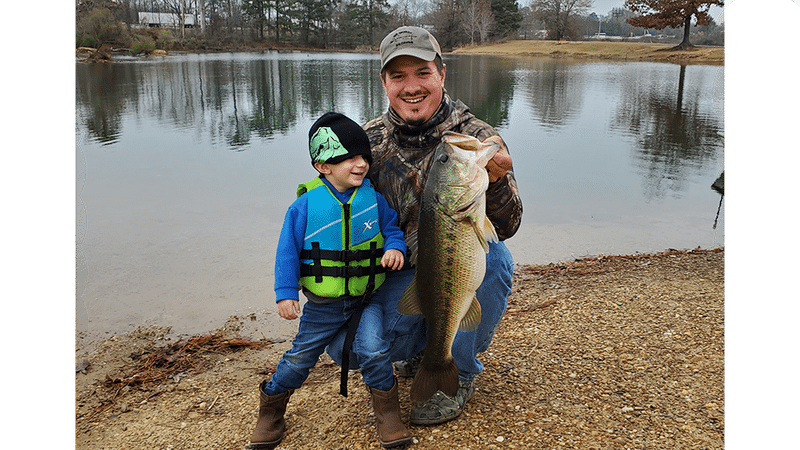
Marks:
<point>337,240</point>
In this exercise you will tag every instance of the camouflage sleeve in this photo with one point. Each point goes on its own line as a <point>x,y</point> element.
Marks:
<point>504,206</point>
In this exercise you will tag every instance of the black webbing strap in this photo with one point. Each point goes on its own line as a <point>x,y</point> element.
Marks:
<point>339,271</point>
<point>347,348</point>
<point>316,268</point>
<point>355,319</point>
<point>340,255</point>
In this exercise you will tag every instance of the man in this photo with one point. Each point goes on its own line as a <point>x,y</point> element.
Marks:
<point>403,143</point>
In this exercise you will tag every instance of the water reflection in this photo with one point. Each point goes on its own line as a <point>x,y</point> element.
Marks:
<point>191,161</point>
<point>555,93</point>
<point>485,84</point>
<point>676,133</point>
<point>102,92</point>
<point>232,97</point>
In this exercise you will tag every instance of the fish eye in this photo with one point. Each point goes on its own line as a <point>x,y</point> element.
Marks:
<point>443,159</point>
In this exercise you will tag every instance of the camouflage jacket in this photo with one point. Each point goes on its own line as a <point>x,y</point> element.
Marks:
<point>402,154</point>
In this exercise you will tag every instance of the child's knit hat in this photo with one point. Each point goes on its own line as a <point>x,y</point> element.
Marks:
<point>334,138</point>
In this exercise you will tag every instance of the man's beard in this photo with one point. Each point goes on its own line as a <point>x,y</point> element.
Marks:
<point>415,122</point>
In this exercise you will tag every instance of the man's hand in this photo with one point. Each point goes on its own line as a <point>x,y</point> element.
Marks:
<point>288,309</point>
<point>500,163</point>
<point>392,259</point>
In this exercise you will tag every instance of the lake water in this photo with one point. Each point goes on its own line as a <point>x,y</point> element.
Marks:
<point>186,166</point>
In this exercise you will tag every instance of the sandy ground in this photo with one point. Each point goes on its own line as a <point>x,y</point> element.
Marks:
<point>613,352</point>
<point>617,51</point>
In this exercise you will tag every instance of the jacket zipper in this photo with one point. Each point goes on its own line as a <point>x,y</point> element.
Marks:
<point>346,243</point>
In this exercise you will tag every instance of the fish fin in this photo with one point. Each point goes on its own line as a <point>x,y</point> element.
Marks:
<point>472,318</point>
<point>411,244</point>
<point>481,237</point>
<point>489,232</point>
<point>409,301</point>
<point>486,233</point>
<point>430,379</point>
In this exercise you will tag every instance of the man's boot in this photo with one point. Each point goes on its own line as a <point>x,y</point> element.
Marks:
<point>391,430</point>
<point>271,424</point>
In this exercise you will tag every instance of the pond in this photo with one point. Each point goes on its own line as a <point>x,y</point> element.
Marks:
<point>186,166</point>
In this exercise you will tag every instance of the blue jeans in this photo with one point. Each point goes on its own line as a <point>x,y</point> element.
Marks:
<point>319,325</point>
<point>406,334</point>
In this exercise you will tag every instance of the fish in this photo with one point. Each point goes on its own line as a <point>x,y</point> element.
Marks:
<point>449,251</point>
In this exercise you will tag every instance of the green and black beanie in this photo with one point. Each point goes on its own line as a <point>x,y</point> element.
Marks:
<point>334,138</point>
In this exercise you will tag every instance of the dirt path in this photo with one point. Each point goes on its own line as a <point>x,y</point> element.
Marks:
<point>617,51</point>
<point>601,353</point>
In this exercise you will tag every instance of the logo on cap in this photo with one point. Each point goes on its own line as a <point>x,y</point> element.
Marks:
<point>404,37</point>
<point>325,145</point>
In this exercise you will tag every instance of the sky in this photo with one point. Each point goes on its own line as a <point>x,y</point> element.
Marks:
<point>602,7</point>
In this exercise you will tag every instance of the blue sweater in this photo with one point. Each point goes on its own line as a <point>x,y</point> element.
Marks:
<point>290,242</point>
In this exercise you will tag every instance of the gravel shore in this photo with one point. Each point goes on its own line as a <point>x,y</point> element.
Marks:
<point>613,352</point>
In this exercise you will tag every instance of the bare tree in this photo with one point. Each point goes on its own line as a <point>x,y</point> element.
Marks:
<point>558,15</point>
<point>201,6</point>
<point>477,17</point>
<point>407,12</point>
<point>446,17</point>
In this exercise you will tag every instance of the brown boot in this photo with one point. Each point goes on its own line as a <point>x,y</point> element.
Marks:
<point>270,425</point>
<point>391,431</point>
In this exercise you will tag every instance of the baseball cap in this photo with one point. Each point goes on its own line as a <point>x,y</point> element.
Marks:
<point>335,137</point>
<point>411,41</point>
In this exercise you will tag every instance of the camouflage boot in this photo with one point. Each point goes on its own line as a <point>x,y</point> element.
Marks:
<point>442,408</point>
<point>407,368</point>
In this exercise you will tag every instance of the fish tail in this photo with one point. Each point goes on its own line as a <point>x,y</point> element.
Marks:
<point>430,379</point>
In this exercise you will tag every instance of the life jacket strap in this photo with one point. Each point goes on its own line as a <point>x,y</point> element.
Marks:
<point>318,271</point>
<point>315,253</point>
<point>355,319</point>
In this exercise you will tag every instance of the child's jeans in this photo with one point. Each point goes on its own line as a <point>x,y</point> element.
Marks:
<point>319,324</point>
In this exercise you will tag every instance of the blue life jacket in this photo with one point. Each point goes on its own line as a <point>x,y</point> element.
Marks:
<point>343,243</point>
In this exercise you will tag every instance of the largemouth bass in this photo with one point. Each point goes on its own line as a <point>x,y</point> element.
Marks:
<point>449,252</point>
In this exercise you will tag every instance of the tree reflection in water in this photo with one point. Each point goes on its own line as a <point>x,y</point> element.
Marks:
<point>672,131</point>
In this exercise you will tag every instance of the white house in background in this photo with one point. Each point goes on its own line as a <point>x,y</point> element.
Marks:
<point>165,20</point>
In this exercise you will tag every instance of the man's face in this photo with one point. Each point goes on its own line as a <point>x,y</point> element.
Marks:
<point>414,87</point>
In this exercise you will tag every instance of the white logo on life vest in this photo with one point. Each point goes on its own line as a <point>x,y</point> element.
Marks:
<point>368,225</point>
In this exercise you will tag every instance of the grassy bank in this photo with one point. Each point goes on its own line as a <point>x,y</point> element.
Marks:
<point>617,51</point>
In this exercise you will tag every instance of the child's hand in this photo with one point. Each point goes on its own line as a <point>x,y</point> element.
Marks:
<point>392,259</point>
<point>288,309</point>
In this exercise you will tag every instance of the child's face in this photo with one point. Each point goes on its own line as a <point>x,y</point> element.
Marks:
<point>347,174</point>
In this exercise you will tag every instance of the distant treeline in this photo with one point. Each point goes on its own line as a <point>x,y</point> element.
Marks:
<point>335,24</point>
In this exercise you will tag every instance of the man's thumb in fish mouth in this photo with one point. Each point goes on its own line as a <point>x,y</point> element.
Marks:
<point>500,162</point>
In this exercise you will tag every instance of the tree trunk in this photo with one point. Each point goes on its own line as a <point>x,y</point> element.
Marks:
<point>202,7</point>
<point>687,26</point>
<point>183,23</point>
<point>277,23</point>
